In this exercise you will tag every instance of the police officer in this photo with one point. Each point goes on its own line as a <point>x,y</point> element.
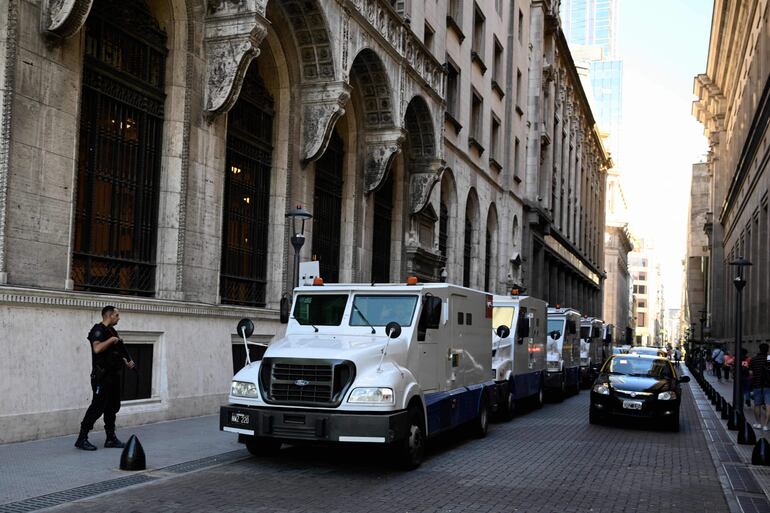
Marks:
<point>108,357</point>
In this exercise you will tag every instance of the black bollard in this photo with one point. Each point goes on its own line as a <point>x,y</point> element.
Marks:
<point>133,455</point>
<point>734,420</point>
<point>715,397</point>
<point>720,403</point>
<point>761,453</point>
<point>725,415</point>
<point>746,435</point>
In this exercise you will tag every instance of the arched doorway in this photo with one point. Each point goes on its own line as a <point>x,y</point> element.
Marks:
<point>327,209</point>
<point>119,152</point>
<point>246,216</point>
<point>383,215</point>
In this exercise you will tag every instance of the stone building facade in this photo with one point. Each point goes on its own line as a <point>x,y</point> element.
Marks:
<point>734,107</point>
<point>696,264</point>
<point>567,165</point>
<point>151,148</point>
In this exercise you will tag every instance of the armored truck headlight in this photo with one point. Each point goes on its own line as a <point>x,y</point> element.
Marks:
<point>376,395</point>
<point>243,389</point>
<point>667,396</point>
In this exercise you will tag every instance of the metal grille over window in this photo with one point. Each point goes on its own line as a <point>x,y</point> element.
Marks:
<point>119,150</point>
<point>467,248</point>
<point>383,210</point>
<point>300,381</point>
<point>327,210</point>
<point>247,194</point>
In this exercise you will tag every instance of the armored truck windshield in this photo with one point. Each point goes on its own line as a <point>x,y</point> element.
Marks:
<point>555,325</point>
<point>379,310</point>
<point>503,315</point>
<point>320,309</point>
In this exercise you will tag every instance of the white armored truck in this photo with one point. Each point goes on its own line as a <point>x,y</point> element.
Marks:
<point>563,351</point>
<point>518,350</point>
<point>382,364</point>
<point>591,349</point>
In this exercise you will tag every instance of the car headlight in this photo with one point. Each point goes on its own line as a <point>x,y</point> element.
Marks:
<point>667,396</point>
<point>377,395</point>
<point>552,366</point>
<point>601,388</point>
<point>243,389</point>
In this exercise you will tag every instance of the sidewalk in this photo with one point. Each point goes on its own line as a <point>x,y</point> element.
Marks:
<point>746,486</point>
<point>48,472</point>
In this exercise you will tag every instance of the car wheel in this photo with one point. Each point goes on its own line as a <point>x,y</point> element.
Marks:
<point>673,423</point>
<point>411,450</point>
<point>480,425</point>
<point>261,446</point>
<point>593,417</point>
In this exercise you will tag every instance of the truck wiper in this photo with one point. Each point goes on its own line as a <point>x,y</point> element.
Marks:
<point>364,318</point>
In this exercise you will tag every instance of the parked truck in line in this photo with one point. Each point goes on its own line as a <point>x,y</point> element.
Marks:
<point>380,364</point>
<point>518,350</point>
<point>563,351</point>
<point>591,349</point>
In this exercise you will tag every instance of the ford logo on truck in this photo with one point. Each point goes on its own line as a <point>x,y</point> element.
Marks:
<point>301,382</point>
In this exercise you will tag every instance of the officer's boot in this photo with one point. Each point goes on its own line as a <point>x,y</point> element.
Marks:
<point>113,441</point>
<point>83,443</point>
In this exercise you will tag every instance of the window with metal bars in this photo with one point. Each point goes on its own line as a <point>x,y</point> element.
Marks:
<point>119,149</point>
<point>383,214</point>
<point>467,249</point>
<point>246,209</point>
<point>327,209</point>
<point>443,227</point>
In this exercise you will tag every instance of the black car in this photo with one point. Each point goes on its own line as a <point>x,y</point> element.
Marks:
<point>637,386</point>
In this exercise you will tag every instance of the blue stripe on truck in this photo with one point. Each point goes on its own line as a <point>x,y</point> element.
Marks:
<point>527,385</point>
<point>447,410</point>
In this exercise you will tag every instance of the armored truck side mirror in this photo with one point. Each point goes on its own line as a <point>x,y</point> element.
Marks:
<point>285,305</point>
<point>523,328</point>
<point>503,331</point>
<point>555,334</point>
<point>245,328</point>
<point>393,329</point>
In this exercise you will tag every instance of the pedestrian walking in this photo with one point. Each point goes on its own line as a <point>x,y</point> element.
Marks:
<point>746,376</point>
<point>718,359</point>
<point>760,385</point>
<point>108,357</point>
<point>729,361</point>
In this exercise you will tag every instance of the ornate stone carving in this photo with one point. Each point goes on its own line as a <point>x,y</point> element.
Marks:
<point>322,105</point>
<point>64,18</point>
<point>381,147</point>
<point>233,32</point>
<point>423,176</point>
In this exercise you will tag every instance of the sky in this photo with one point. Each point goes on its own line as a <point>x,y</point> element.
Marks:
<point>663,44</point>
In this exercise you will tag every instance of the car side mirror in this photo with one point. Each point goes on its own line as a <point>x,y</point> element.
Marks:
<point>393,329</point>
<point>503,331</point>
<point>245,328</point>
<point>684,379</point>
<point>285,306</point>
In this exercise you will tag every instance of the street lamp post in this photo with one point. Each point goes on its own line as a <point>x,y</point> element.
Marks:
<point>298,216</point>
<point>740,282</point>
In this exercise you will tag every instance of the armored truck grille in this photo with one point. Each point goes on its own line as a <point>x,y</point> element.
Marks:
<point>305,381</point>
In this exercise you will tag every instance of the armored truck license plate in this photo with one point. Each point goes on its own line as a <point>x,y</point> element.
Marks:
<point>239,418</point>
<point>632,405</point>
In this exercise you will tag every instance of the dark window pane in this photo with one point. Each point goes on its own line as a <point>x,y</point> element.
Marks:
<point>136,383</point>
<point>327,210</point>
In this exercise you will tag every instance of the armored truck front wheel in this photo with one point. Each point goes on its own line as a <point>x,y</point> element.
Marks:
<point>411,450</point>
<point>261,446</point>
<point>480,424</point>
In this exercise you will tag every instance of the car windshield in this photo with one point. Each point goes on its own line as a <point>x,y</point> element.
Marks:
<point>654,351</point>
<point>619,350</point>
<point>379,310</point>
<point>556,325</point>
<point>320,309</point>
<point>654,368</point>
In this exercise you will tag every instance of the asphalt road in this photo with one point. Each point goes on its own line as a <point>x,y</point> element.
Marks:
<point>548,460</point>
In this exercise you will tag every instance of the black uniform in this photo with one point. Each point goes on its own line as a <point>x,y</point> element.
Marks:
<point>106,368</point>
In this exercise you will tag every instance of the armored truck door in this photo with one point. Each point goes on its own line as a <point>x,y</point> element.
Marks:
<point>429,331</point>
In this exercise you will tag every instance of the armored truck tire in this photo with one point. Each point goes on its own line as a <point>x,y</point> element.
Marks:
<point>262,446</point>
<point>508,405</point>
<point>480,425</point>
<point>410,452</point>
<point>540,396</point>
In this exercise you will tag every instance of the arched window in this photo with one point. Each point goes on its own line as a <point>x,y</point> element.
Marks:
<point>467,251</point>
<point>487,260</point>
<point>443,225</point>
<point>119,150</point>
<point>246,216</point>
<point>383,215</point>
<point>327,209</point>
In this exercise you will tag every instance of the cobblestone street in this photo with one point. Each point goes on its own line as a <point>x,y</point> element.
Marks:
<point>550,460</point>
